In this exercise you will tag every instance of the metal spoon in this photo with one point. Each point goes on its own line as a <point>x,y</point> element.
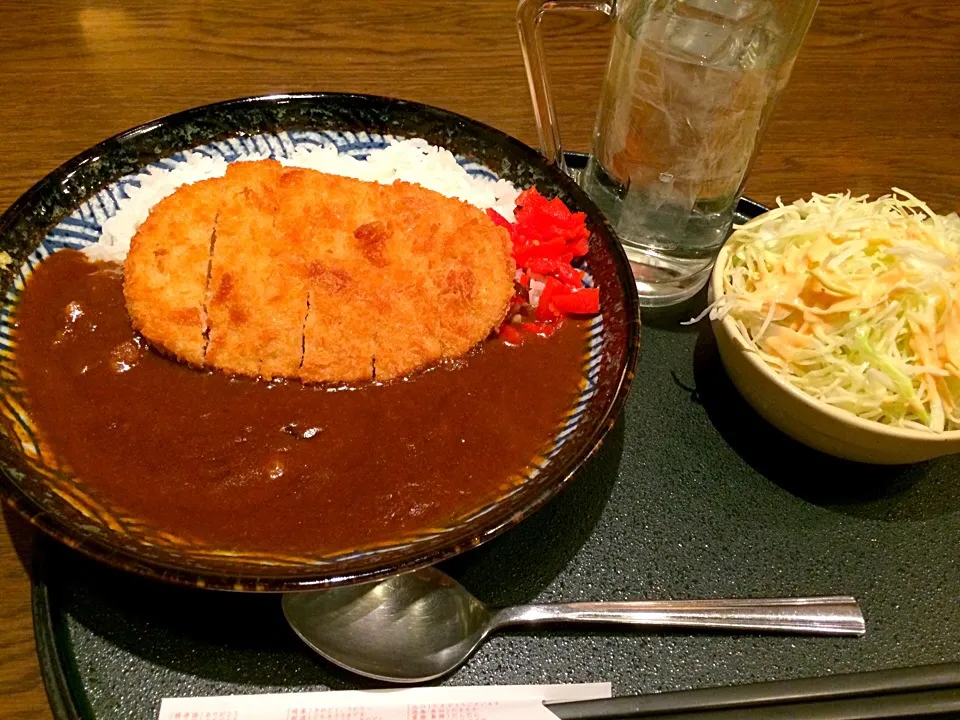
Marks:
<point>423,624</point>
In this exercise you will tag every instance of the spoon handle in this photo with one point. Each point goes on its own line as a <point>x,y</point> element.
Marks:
<point>804,616</point>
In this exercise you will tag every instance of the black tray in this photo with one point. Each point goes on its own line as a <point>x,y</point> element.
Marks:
<point>692,495</point>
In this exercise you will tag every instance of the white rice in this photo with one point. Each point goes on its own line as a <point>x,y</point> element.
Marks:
<point>414,161</point>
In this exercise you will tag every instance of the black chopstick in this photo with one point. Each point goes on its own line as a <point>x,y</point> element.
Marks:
<point>919,685</point>
<point>920,704</point>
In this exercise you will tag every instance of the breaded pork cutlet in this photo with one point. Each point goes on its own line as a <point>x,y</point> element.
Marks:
<point>318,212</point>
<point>331,279</point>
<point>165,275</point>
<point>255,313</point>
<point>449,276</point>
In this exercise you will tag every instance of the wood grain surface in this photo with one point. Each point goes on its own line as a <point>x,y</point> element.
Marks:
<point>874,101</point>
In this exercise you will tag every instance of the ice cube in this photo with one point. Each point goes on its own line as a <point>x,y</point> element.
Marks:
<point>695,37</point>
<point>721,43</point>
<point>730,9</point>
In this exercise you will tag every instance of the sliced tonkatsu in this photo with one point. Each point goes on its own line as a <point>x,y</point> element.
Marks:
<point>241,301</point>
<point>294,273</point>
<point>165,277</point>
<point>319,215</point>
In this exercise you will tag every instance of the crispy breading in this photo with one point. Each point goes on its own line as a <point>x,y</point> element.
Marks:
<point>449,277</point>
<point>332,279</point>
<point>243,299</point>
<point>318,212</point>
<point>283,295</point>
<point>165,273</point>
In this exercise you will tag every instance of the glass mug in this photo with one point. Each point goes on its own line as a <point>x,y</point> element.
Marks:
<point>687,95</point>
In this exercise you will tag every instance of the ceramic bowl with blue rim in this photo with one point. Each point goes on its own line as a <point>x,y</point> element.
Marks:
<point>68,208</point>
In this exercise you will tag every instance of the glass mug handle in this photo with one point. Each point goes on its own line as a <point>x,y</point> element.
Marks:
<point>529,16</point>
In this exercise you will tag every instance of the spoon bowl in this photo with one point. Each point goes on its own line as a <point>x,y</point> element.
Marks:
<point>422,625</point>
<point>409,628</point>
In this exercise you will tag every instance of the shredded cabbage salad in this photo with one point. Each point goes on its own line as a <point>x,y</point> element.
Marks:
<point>854,302</point>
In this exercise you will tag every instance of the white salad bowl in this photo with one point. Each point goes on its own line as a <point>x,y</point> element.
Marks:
<point>810,421</point>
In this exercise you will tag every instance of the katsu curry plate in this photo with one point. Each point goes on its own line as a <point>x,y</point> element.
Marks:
<point>301,340</point>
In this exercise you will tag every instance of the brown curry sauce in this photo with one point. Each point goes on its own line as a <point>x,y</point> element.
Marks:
<point>232,462</point>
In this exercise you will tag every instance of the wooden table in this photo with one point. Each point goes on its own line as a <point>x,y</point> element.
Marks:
<point>874,101</point>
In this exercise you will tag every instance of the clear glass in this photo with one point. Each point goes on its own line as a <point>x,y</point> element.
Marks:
<point>687,95</point>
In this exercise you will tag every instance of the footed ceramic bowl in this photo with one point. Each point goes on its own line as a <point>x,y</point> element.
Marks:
<point>67,209</point>
<point>810,421</point>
